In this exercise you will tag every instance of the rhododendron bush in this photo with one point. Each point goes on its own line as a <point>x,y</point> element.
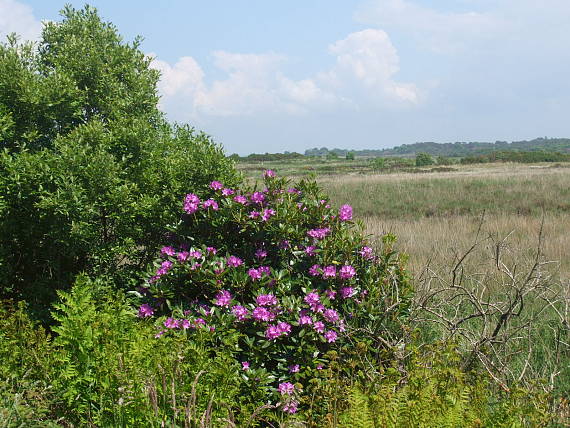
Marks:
<point>292,276</point>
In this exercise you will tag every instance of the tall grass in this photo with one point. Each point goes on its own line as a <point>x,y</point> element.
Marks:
<point>436,215</point>
<point>507,190</point>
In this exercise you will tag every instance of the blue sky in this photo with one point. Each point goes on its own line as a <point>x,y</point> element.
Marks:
<point>289,75</point>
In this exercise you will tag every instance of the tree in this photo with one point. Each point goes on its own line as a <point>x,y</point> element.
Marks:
<point>423,159</point>
<point>350,156</point>
<point>91,171</point>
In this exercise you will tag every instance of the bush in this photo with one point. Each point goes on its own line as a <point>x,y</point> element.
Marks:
<point>424,159</point>
<point>88,183</point>
<point>284,271</point>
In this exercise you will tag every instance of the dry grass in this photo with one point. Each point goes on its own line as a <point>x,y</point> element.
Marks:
<point>436,216</point>
<point>440,239</point>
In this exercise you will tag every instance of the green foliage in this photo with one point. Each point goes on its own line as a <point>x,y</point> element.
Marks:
<point>104,368</point>
<point>444,160</point>
<point>434,392</point>
<point>26,369</point>
<point>520,157</point>
<point>267,157</point>
<point>423,159</point>
<point>91,171</point>
<point>391,163</point>
<point>349,156</point>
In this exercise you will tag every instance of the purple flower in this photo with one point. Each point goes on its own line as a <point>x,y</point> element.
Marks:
<point>312,298</point>
<point>366,253</point>
<point>331,315</point>
<point>183,256</point>
<point>319,366</point>
<point>216,185</point>
<point>319,326</point>
<point>160,333</point>
<point>234,261</point>
<point>254,214</point>
<point>346,292</point>
<point>305,320</point>
<point>211,250</point>
<point>254,274</point>
<point>317,307</point>
<point>257,197</point>
<point>240,199</point>
<point>291,406</point>
<point>227,192</point>
<point>262,314</point>
<point>284,244</point>
<point>210,203</point>
<point>260,253</point>
<point>284,328</point>
<point>310,250</point>
<point>345,213</point>
<point>294,368</point>
<point>223,298</point>
<point>315,270</point>
<point>199,322</point>
<point>272,332</point>
<point>268,173</point>
<point>286,388</point>
<point>191,202</point>
<point>266,300</point>
<point>186,324</point>
<point>347,272</point>
<point>264,270</point>
<point>267,214</point>
<point>329,271</point>
<point>164,267</point>
<point>331,294</point>
<point>245,365</point>
<point>293,190</point>
<point>240,312</point>
<point>195,254</point>
<point>319,233</point>
<point>331,336</point>
<point>171,323</point>
<point>168,251</point>
<point>145,311</point>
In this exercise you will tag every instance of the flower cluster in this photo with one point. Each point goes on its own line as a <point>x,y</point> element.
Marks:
<point>277,265</point>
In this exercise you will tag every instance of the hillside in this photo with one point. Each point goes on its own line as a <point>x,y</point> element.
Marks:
<point>456,149</point>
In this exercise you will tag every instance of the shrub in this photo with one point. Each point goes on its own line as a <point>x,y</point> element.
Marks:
<point>89,180</point>
<point>424,159</point>
<point>289,275</point>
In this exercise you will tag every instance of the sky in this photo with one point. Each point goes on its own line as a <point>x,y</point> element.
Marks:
<point>274,75</point>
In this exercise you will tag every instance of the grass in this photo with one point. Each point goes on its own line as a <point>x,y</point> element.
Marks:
<point>436,216</point>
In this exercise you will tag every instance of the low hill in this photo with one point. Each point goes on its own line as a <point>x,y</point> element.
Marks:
<point>457,149</point>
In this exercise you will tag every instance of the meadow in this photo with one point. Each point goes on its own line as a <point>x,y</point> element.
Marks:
<point>436,215</point>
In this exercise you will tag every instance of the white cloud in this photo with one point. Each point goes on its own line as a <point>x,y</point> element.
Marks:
<point>366,62</point>
<point>18,18</point>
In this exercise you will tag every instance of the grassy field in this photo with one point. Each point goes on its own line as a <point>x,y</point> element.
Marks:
<point>436,216</point>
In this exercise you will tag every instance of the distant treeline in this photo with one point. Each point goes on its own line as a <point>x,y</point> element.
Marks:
<point>522,157</point>
<point>266,157</point>
<point>457,149</point>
